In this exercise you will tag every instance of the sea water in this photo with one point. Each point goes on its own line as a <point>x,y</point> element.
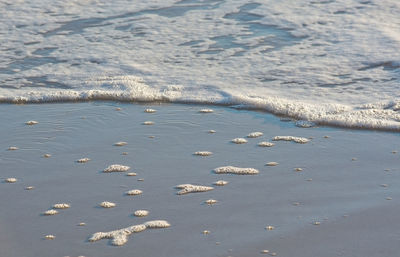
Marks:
<point>334,62</point>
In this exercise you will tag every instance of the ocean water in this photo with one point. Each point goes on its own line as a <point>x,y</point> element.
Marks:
<point>333,62</point>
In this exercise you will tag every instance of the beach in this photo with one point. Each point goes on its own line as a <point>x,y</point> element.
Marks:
<point>335,195</point>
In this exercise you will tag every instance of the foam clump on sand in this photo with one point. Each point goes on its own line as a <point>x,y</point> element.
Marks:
<point>189,188</point>
<point>221,183</point>
<point>120,143</point>
<point>120,237</point>
<point>83,160</point>
<point>236,170</point>
<point>10,180</point>
<point>211,131</point>
<point>12,148</point>
<point>211,201</point>
<point>107,204</point>
<point>157,224</point>
<point>239,140</point>
<point>116,168</point>
<point>49,237</point>
<point>300,140</point>
<point>203,153</point>
<point>255,134</point>
<point>61,206</point>
<point>150,110</point>
<point>206,110</point>
<point>47,155</point>
<point>271,164</point>
<point>265,144</point>
<point>141,213</point>
<point>134,192</point>
<point>32,122</point>
<point>29,188</point>
<point>148,123</point>
<point>50,212</point>
<point>131,174</point>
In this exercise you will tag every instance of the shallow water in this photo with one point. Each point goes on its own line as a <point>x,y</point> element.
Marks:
<point>246,205</point>
<point>331,62</point>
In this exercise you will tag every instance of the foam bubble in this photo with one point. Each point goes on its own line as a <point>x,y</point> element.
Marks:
<point>131,174</point>
<point>239,140</point>
<point>10,180</point>
<point>211,201</point>
<point>47,155</point>
<point>148,123</point>
<point>203,153</point>
<point>120,143</point>
<point>141,213</point>
<point>50,212</point>
<point>211,131</point>
<point>13,148</point>
<point>32,122</point>
<point>29,188</point>
<point>83,160</point>
<point>255,134</point>
<point>49,237</point>
<point>116,168</point>
<point>221,183</point>
<point>265,144</point>
<point>134,192</point>
<point>150,110</point>
<point>189,188</point>
<point>272,164</point>
<point>206,110</point>
<point>157,224</point>
<point>107,204</point>
<point>300,140</point>
<point>236,170</point>
<point>61,206</point>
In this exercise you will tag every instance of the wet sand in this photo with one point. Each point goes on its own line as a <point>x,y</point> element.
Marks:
<point>339,186</point>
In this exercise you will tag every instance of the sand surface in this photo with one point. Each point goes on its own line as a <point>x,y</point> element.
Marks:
<point>339,186</point>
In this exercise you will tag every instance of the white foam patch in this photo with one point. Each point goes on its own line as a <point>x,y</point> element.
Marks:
<point>61,206</point>
<point>10,180</point>
<point>236,170</point>
<point>122,143</point>
<point>141,213</point>
<point>50,212</point>
<point>265,144</point>
<point>203,153</point>
<point>275,58</point>
<point>189,188</point>
<point>272,164</point>
<point>148,123</point>
<point>32,122</point>
<point>255,134</point>
<point>116,168</point>
<point>107,204</point>
<point>300,140</point>
<point>150,110</point>
<point>206,110</point>
<point>221,183</point>
<point>134,192</point>
<point>49,237</point>
<point>120,237</point>
<point>211,201</point>
<point>239,140</point>
<point>83,160</point>
<point>12,148</point>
